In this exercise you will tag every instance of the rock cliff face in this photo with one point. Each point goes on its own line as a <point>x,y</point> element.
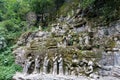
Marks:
<point>71,48</point>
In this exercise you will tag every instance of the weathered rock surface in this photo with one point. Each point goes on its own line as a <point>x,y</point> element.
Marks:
<point>116,71</point>
<point>20,76</point>
<point>85,51</point>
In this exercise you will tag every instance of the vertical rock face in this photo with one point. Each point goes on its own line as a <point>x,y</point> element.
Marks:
<point>31,18</point>
<point>20,55</point>
<point>71,48</point>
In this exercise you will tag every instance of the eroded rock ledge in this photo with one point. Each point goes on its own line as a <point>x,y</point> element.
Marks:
<point>20,76</point>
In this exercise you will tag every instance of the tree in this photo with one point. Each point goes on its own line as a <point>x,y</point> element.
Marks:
<point>42,8</point>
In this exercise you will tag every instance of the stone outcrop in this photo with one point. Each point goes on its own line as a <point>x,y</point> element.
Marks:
<point>71,50</point>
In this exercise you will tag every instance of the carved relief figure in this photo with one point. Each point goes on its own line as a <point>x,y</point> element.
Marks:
<point>74,66</point>
<point>89,69</point>
<point>45,64</point>
<point>55,61</point>
<point>27,65</point>
<point>37,64</point>
<point>60,61</point>
<point>116,58</point>
<point>64,42</point>
<point>117,42</point>
<point>87,38</point>
<point>75,60</point>
<point>80,40</point>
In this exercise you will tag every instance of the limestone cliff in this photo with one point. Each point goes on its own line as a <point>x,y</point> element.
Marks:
<point>69,35</point>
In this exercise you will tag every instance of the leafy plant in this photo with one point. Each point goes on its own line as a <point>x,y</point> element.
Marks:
<point>7,65</point>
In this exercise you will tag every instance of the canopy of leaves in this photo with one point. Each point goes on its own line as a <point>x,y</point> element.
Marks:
<point>104,11</point>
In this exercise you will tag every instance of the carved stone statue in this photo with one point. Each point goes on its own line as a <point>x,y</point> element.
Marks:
<point>68,17</point>
<point>75,60</point>
<point>67,67</point>
<point>60,61</point>
<point>83,62</point>
<point>89,69</point>
<point>74,66</point>
<point>53,29</point>
<point>73,71</point>
<point>87,38</point>
<point>55,61</point>
<point>27,65</point>
<point>45,64</point>
<point>37,65</point>
<point>117,45</point>
<point>82,65</point>
<point>68,39</point>
<point>64,42</point>
<point>40,28</point>
<point>116,58</point>
<point>80,40</point>
<point>58,25</point>
<point>60,44</point>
